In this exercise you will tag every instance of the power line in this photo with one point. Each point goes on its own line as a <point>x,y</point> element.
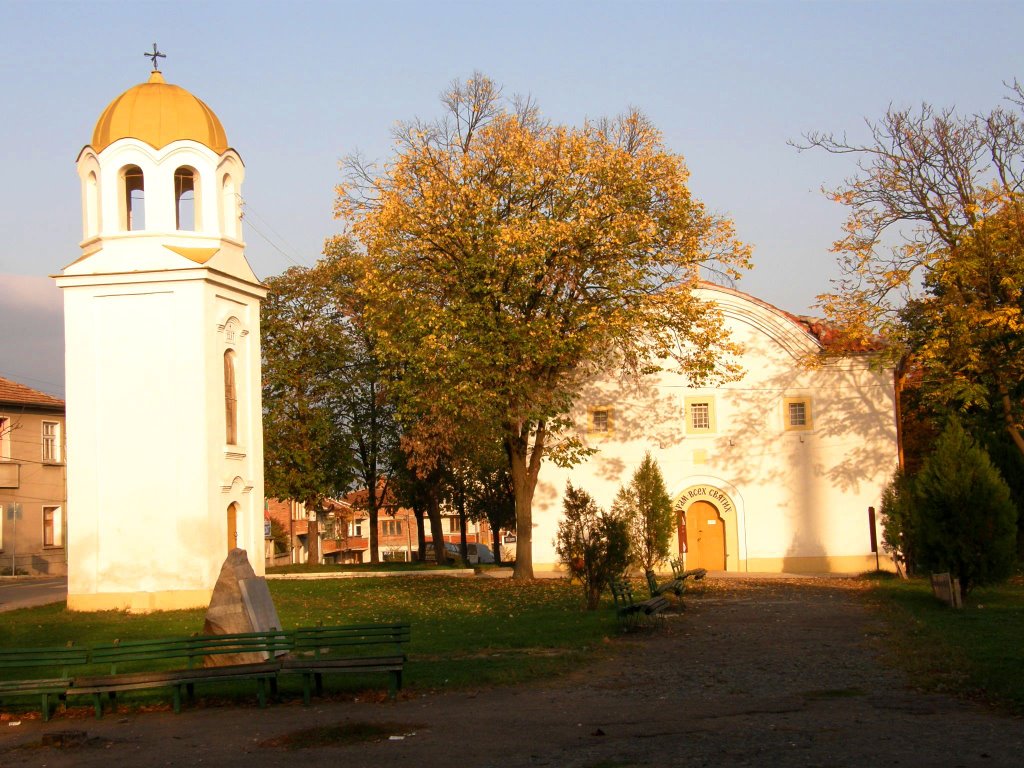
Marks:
<point>247,209</point>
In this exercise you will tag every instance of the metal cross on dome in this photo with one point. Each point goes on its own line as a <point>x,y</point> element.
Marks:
<point>154,56</point>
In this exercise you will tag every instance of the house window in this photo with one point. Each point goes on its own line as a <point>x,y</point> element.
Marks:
<point>230,399</point>
<point>700,415</point>
<point>391,527</point>
<point>600,421</point>
<point>357,529</point>
<point>51,442</point>
<point>53,529</point>
<point>5,438</point>
<point>797,413</point>
<point>454,525</point>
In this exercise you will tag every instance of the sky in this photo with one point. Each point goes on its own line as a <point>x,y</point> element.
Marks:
<point>299,86</point>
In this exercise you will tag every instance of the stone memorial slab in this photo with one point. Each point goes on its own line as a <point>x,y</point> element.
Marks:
<point>236,609</point>
<point>259,605</point>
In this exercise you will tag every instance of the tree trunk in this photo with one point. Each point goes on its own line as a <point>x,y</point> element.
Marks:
<point>374,547</point>
<point>434,513</point>
<point>496,543</point>
<point>460,506</point>
<point>1011,425</point>
<point>313,541</point>
<point>524,466</point>
<point>421,538</point>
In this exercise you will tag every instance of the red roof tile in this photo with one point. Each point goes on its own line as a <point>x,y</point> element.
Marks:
<point>13,393</point>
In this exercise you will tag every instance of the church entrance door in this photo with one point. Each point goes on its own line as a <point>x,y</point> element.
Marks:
<point>705,533</point>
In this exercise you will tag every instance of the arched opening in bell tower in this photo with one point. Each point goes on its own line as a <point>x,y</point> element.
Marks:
<point>186,199</point>
<point>92,205</point>
<point>133,199</point>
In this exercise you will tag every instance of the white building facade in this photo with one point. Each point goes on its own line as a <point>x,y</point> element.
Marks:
<point>162,338</point>
<point>774,472</point>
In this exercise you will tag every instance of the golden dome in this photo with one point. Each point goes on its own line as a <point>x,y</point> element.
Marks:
<point>158,113</point>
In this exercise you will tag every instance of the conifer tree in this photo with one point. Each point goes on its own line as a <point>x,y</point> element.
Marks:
<point>964,518</point>
<point>647,509</point>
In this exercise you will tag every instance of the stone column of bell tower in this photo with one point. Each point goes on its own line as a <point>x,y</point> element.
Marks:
<point>162,334</point>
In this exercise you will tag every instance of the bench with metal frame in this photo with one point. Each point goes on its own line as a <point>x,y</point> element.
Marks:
<point>319,651</point>
<point>682,574</point>
<point>629,610</point>
<point>51,668</point>
<point>179,664</point>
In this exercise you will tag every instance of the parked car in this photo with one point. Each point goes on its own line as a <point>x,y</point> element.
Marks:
<point>479,553</point>
<point>451,553</point>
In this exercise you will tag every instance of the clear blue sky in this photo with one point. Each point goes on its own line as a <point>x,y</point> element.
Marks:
<point>300,85</point>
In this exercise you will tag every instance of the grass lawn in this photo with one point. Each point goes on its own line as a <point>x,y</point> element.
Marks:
<point>465,632</point>
<point>977,651</point>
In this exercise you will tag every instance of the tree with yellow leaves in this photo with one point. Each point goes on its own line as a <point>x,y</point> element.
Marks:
<point>505,258</point>
<point>933,252</point>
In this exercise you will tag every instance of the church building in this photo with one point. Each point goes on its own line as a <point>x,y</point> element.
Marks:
<point>162,338</point>
<point>773,472</point>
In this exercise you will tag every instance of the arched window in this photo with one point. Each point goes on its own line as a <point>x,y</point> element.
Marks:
<point>230,399</point>
<point>186,199</point>
<point>232,526</point>
<point>133,199</point>
<point>229,207</point>
<point>92,205</point>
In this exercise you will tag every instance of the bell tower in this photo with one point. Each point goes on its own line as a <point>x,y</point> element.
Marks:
<point>162,359</point>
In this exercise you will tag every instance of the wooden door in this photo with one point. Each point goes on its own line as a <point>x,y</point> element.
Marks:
<point>232,527</point>
<point>705,537</point>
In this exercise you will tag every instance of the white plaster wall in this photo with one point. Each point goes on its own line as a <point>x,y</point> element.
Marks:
<point>798,494</point>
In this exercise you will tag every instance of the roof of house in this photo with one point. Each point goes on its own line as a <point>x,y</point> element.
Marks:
<point>13,393</point>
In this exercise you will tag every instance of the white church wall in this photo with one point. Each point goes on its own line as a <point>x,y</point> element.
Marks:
<point>797,498</point>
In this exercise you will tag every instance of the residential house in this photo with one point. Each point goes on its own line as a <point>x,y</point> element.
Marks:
<point>32,481</point>
<point>343,531</point>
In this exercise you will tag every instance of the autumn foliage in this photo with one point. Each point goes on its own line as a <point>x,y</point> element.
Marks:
<point>502,257</point>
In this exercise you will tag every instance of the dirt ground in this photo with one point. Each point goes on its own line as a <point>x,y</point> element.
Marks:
<point>780,672</point>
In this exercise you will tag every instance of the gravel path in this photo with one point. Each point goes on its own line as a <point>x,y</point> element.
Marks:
<point>780,672</point>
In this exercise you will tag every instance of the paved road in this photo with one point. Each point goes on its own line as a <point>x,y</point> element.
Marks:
<point>26,593</point>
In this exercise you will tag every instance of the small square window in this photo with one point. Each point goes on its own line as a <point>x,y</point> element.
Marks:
<point>600,421</point>
<point>797,413</point>
<point>5,438</point>
<point>700,415</point>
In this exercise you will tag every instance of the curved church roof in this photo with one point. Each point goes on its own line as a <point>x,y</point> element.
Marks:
<point>159,113</point>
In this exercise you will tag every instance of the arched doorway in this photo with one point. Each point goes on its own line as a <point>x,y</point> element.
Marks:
<point>705,536</point>
<point>232,526</point>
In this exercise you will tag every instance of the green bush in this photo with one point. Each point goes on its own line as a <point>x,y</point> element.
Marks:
<point>963,518</point>
<point>896,513</point>
<point>592,544</point>
<point>646,507</point>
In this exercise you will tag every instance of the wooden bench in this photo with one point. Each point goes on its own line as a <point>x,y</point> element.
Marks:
<point>179,664</point>
<point>675,585</point>
<point>53,666</point>
<point>317,651</point>
<point>680,573</point>
<point>628,609</point>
